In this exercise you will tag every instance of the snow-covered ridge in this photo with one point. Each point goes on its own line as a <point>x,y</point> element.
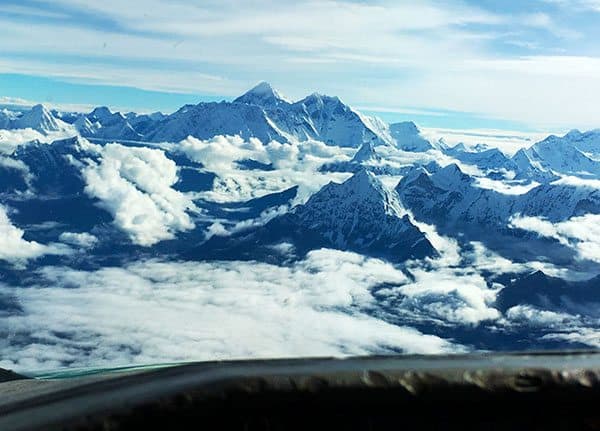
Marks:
<point>264,113</point>
<point>408,137</point>
<point>451,197</point>
<point>362,213</point>
<point>261,113</point>
<point>38,118</point>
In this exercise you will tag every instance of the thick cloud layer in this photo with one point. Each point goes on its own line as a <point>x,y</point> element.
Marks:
<point>508,141</point>
<point>329,303</point>
<point>155,311</point>
<point>11,139</point>
<point>445,296</point>
<point>294,164</point>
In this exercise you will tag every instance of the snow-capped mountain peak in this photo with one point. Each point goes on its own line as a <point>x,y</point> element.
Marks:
<point>264,95</point>
<point>85,126</point>
<point>262,112</point>
<point>407,127</point>
<point>105,124</point>
<point>156,116</point>
<point>572,154</point>
<point>363,214</point>
<point>451,177</point>
<point>365,183</point>
<point>101,113</point>
<point>41,119</point>
<point>328,119</point>
<point>416,176</point>
<point>362,192</point>
<point>319,99</point>
<point>408,137</point>
<point>586,142</point>
<point>458,148</point>
<point>448,178</point>
<point>365,153</point>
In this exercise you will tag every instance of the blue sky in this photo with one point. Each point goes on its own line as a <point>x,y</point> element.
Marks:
<point>531,65</point>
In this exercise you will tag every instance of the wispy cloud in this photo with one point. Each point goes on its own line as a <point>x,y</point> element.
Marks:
<point>577,5</point>
<point>214,48</point>
<point>29,11</point>
<point>581,233</point>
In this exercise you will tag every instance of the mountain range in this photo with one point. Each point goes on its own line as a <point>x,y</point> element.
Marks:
<point>360,214</point>
<point>265,114</point>
<point>38,118</point>
<point>260,113</point>
<point>470,232</point>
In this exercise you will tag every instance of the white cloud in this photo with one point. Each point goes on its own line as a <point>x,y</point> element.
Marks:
<point>578,5</point>
<point>82,239</point>
<point>394,160</point>
<point>220,152</point>
<point>508,141</point>
<point>11,139</point>
<point>152,311</point>
<point>593,5</point>
<point>134,185</point>
<point>284,248</point>
<point>581,233</point>
<point>505,188</point>
<point>445,295</point>
<point>300,18</point>
<point>451,289</point>
<point>586,336</point>
<point>484,259</point>
<point>17,165</point>
<point>295,163</point>
<point>15,249</point>
<point>29,11</point>
<point>561,326</point>
<point>536,224</point>
<point>578,182</point>
<point>532,316</point>
<point>446,289</point>
<point>223,227</point>
<point>23,104</point>
<point>216,228</point>
<point>264,217</point>
<point>448,248</point>
<point>519,88</point>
